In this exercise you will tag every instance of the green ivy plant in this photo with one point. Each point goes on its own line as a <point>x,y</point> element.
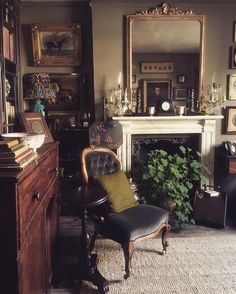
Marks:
<point>169,180</point>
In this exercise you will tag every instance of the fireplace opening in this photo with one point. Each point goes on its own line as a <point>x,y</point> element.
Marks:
<point>143,144</point>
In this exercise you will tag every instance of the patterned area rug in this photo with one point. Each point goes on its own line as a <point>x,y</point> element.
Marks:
<point>205,264</point>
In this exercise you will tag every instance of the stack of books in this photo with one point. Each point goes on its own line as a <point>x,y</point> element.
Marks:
<point>15,155</point>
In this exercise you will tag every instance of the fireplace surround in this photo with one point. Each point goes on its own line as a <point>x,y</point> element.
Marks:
<point>203,125</point>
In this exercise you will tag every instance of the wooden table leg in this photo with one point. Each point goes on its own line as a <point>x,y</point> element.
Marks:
<point>87,262</point>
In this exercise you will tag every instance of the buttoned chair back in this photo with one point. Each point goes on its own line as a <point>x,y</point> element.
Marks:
<point>98,161</point>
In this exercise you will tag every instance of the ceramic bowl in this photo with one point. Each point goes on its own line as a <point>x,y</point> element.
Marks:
<point>32,140</point>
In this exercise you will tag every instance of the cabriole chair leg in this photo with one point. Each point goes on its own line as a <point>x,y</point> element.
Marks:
<point>128,249</point>
<point>165,243</point>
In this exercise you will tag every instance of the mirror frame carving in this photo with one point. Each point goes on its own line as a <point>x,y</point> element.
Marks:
<point>163,12</point>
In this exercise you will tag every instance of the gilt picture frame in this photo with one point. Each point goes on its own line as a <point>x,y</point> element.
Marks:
<point>234,31</point>
<point>233,57</point>
<point>56,44</point>
<point>231,90</point>
<point>34,122</point>
<point>230,120</point>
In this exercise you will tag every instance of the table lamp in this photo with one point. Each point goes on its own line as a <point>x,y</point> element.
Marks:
<point>38,86</point>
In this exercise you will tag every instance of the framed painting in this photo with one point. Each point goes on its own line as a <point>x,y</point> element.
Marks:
<point>69,92</point>
<point>154,91</point>
<point>234,32</point>
<point>233,57</point>
<point>34,122</point>
<point>230,120</point>
<point>56,44</point>
<point>157,67</point>
<point>231,91</point>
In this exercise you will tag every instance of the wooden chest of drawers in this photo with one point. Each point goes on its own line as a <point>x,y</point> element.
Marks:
<point>28,224</point>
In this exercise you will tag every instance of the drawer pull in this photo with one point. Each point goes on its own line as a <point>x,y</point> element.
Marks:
<point>36,196</point>
<point>53,170</point>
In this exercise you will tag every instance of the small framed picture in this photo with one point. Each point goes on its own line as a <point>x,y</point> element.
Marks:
<point>181,79</point>
<point>34,122</point>
<point>231,90</point>
<point>234,32</point>
<point>230,120</point>
<point>180,94</point>
<point>233,57</point>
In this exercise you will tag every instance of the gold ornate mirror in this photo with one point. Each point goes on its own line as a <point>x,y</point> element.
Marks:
<point>165,45</point>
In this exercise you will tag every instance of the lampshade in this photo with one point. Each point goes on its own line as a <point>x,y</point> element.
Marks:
<point>38,86</point>
<point>106,134</point>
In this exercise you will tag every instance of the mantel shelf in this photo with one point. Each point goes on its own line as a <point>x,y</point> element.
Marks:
<point>169,118</point>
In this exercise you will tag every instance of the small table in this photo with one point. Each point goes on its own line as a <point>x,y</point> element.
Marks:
<point>85,198</point>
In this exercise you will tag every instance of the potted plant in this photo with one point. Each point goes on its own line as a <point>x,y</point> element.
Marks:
<point>170,179</point>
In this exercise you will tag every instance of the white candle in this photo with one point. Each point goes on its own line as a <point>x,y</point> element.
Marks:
<point>119,79</point>
<point>213,77</point>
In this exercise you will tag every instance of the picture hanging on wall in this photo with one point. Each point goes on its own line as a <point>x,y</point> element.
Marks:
<point>233,57</point>
<point>181,79</point>
<point>230,120</point>
<point>234,32</point>
<point>231,87</point>
<point>157,67</point>
<point>56,44</point>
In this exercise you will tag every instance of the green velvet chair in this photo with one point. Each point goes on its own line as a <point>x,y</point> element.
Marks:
<point>122,219</point>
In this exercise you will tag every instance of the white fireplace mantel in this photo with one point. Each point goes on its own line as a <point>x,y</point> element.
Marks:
<point>147,125</point>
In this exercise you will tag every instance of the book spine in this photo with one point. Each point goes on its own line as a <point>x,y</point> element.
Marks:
<point>14,154</point>
<point>6,47</point>
<point>17,159</point>
<point>28,160</point>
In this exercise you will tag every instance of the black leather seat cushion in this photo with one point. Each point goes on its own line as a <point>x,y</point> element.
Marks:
<point>133,223</point>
